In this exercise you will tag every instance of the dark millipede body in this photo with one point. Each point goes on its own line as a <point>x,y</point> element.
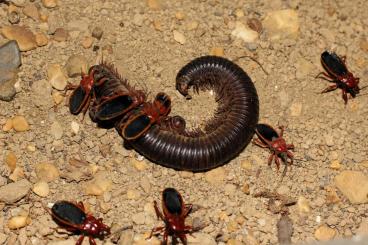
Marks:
<point>223,137</point>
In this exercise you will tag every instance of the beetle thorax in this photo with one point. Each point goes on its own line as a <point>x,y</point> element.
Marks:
<point>92,226</point>
<point>175,224</point>
<point>350,81</point>
<point>279,145</point>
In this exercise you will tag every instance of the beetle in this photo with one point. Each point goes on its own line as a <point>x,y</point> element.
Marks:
<point>174,214</point>
<point>73,217</point>
<point>139,121</point>
<point>269,138</point>
<point>338,73</point>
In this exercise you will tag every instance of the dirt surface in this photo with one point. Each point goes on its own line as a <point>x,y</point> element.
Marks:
<point>138,37</point>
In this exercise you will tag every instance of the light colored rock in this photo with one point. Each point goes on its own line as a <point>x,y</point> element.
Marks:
<point>8,125</point>
<point>49,3</point>
<point>15,191</point>
<point>201,239</point>
<point>246,164</point>
<point>139,165</point>
<point>70,241</point>
<point>11,160</point>
<point>31,11</point>
<point>324,233</point>
<point>56,76</point>
<point>87,42</point>
<point>245,188</point>
<point>229,189</point>
<point>20,124</point>
<point>41,39</point>
<point>19,3</point>
<point>57,97</point>
<point>139,218</point>
<point>17,174</point>
<point>61,35</point>
<point>47,172</point>
<point>25,38</point>
<point>41,188</point>
<point>41,91</point>
<point>303,205</point>
<point>282,24</point>
<point>97,32</point>
<point>244,33</point>
<point>215,176</point>
<point>303,68</point>
<point>335,164</point>
<point>100,184</point>
<point>153,4</point>
<point>363,228</point>
<point>75,127</point>
<point>354,186</point>
<point>76,65</point>
<point>56,130</point>
<point>192,25</point>
<point>179,15</point>
<point>179,37</point>
<point>217,51</point>
<point>126,237</point>
<point>142,239</point>
<point>17,222</point>
<point>296,109</point>
<point>133,194</point>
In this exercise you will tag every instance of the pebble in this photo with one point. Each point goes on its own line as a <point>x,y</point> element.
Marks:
<point>303,205</point>
<point>157,25</point>
<point>20,124</point>
<point>217,51</point>
<point>17,174</point>
<point>234,242</point>
<point>296,109</point>
<point>133,194</point>
<point>139,218</point>
<point>97,32</point>
<point>354,186</point>
<point>87,42</point>
<point>41,189</point>
<point>145,184</point>
<point>179,15</point>
<point>179,37</point>
<point>13,16</point>
<point>18,222</point>
<point>8,125</point>
<point>239,13</point>
<point>31,11</point>
<point>10,56</point>
<point>76,65</point>
<point>138,19</point>
<point>8,80</point>
<point>363,227</point>
<point>57,79</point>
<point>15,191</point>
<point>324,233</point>
<point>335,165</point>
<point>41,39</point>
<point>75,127</point>
<point>331,195</point>
<point>215,176</point>
<point>41,91</point>
<point>202,239</point>
<point>11,160</point>
<point>244,33</point>
<point>245,188</point>
<point>19,3</point>
<point>139,165</point>
<point>126,237</point>
<point>153,4</point>
<point>61,35</point>
<point>25,38</point>
<point>47,172</point>
<point>282,24</point>
<point>56,130</point>
<point>303,68</point>
<point>192,25</point>
<point>57,97</point>
<point>229,189</point>
<point>100,184</point>
<point>246,164</point>
<point>49,3</point>
<point>142,239</point>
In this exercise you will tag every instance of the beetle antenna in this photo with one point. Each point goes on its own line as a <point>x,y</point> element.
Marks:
<point>253,59</point>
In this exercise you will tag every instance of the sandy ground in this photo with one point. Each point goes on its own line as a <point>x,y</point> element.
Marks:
<point>139,39</point>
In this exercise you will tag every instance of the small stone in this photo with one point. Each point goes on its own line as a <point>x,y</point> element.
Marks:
<point>153,4</point>
<point>97,32</point>
<point>354,186</point>
<point>157,25</point>
<point>11,160</point>
<point>296,109</point>
<point>255,25</point>
<point>217,51</point>
<point>232,226</point>
<point>31,11</point>
<point>192,25</point>
<point>303,68</point>
<point>20,124</point>
<point>61,35</point>
<point>18,3</point>
<point>17,174</point>
<point>57,79</point>
<point>10,56</point>
<point>76,65</point>
<point>239,13</point>
<point>8,79</point>
<point>56,130</point>
<point>282,24</point>
<point>41,91</point>
<point>179,37</point>
<point>139,165</point>
<point>145,239</point>
<point>87,42</point>
<point>139,218</point>
<point>47,172</point>
<point>363,228</point>
<point>133,194</point>
<point>229,189</point>
<point>25,38</point>
<point>126,237</point>
<point>75,127</point>
<point>138,19</point>
<point>49,3</point>
<point>234,242</point>
<point>15,191</point>
<point>179,15</point>
<point>324,233</point>
<point>303,205</point>
<point>215,176</point>
<point>335,165</point>
<point>31,148</point>
<point>58,97</point>
<point>331,196</point>
<point>145,184</point>
<point>363,44</point>
<point>244,33</point>
<point>13,17</point>
<point>41,39</point>
<point>246,164</point>
<point>245,188</point>
<point>201,238</point>
<point>8,125</point>
<point>99,185</point>
<point>41,188</point>
<point>18,222</point>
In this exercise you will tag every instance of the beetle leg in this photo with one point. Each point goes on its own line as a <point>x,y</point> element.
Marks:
<point>81,206</point>
<point>183,239</point>
<point>154,230</point>
<point>92,241</point>
<point>330,88</point>
<point>282,128</point>
<point>188,209</point>
<point>270,159</point>
<point>345,96</point>
<point>164,242</point>
<point>158,212</point>
<point>260,143</point>
<point>277,161</point>
<point>325,76</point>
<point>343,58</point>
<point>80,240</point>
